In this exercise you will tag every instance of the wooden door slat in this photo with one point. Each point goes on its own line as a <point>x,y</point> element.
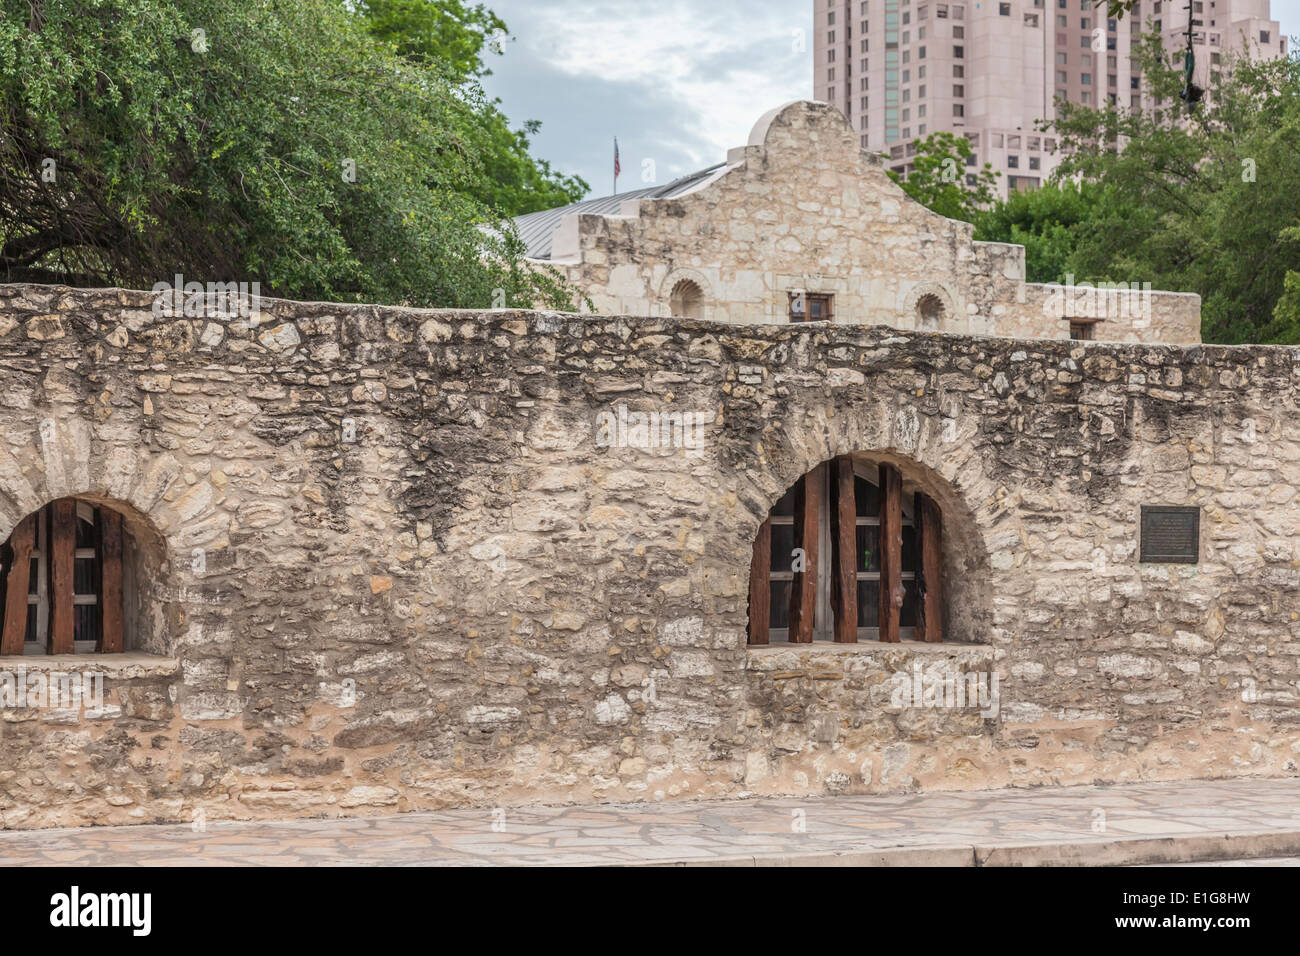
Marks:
<point>795,616</point>
<point>760,591</point>
<point>111,629</point>
<point>63,545</point>
<point>929,531</point>
<point>803,599</point>
<point>17,584</point>
<point>846,553</point>
<point>891,552</point>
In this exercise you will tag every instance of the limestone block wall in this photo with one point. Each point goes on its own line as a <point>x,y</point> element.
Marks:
<point>401,566</point>
<point>1045,310</point>
<point>802,208</point>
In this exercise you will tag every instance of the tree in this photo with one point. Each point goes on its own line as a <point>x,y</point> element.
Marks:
<point>1205,203</point>
<point>1046,221</point>
<point>445,30</point>
<point>236,141</point>
<point>939,178</point>
<point>458,36</point>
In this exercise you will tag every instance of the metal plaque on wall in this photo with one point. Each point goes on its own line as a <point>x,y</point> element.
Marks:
<point>1171,534</point>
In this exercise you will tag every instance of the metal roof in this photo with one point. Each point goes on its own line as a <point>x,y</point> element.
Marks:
<point>536,228</point>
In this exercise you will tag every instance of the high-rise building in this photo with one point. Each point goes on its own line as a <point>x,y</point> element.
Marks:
<point>903,69</point>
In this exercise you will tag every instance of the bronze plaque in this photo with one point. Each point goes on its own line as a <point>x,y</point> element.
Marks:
<point>1171,534</point>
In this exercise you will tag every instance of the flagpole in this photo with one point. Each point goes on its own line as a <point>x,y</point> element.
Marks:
<point>615,165</point>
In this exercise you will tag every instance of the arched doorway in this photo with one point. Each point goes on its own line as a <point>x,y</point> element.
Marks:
<point>849,554</point>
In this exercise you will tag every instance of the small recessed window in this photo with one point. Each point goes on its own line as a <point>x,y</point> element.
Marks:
<point>811,307</point>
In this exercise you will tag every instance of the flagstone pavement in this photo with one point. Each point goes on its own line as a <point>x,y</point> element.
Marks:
<point>1129,824</point>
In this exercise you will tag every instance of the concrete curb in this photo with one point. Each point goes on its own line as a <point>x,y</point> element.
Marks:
<point>1118,851</point>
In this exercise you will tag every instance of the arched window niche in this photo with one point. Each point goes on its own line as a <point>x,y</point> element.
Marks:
<point>929,313</point>
<point>857,551</point>
<point>79,576</point>
<point>687,300</point>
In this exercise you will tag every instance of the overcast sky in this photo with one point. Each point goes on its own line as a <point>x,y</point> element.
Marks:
<point>677,81</point>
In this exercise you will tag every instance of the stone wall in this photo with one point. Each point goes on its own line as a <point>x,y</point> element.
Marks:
<point>802,208</point>
<point>397,569</point>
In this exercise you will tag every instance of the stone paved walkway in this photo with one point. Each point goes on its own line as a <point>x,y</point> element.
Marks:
<point>1148,823</point>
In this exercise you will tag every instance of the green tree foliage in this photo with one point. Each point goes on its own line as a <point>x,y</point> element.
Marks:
<point>458,35</point>
<point>1206,202</point>
<point>1046,221</point>
<point>446,30</point>
<point>243,140</point>
<point>938,179</point>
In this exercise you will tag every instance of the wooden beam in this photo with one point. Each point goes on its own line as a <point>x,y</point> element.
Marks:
<point>929,534</point>
<point>16,586</point>
<point>891,552</point>
<point>760,586</point>
<point>803,597</point>
<point>63,549</point>
<point>111,626</point>
<point>846,553</point>
<point>796,586</point>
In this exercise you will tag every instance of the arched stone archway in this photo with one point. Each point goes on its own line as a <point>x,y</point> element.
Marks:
<point>868,547</point>
<point>932,451</point>
<point>169,515</point>
<point>84,574</point>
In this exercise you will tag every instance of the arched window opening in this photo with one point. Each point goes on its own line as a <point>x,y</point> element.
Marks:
<point>61,581</point>
<point>845,556</point>
<point>929,312</point>
<point>687,300</point>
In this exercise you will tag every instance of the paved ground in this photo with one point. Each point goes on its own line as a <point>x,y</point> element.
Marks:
<point>1143,824</point>
<point>1267,861</point>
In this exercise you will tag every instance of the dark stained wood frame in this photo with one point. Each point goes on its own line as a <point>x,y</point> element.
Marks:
<point>845,552</point>
<point>17,582</point>
<point>63,549</point>
<point>803,594</point>
<point>1087,330</point>
<point>891,553</point>
<point>929,532</point>
<point>928,523</point>
<point>61,562</point>
<point>111,624</point>
<point>826,297</point>
<point>760,589</point>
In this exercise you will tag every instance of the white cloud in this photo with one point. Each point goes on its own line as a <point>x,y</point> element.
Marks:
<point>720,65</point>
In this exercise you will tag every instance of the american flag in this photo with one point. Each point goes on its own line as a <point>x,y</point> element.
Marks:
<point>617,168</point>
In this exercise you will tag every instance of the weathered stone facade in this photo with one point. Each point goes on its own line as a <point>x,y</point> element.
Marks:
<point>802,208</point>
<point>473,603</point>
